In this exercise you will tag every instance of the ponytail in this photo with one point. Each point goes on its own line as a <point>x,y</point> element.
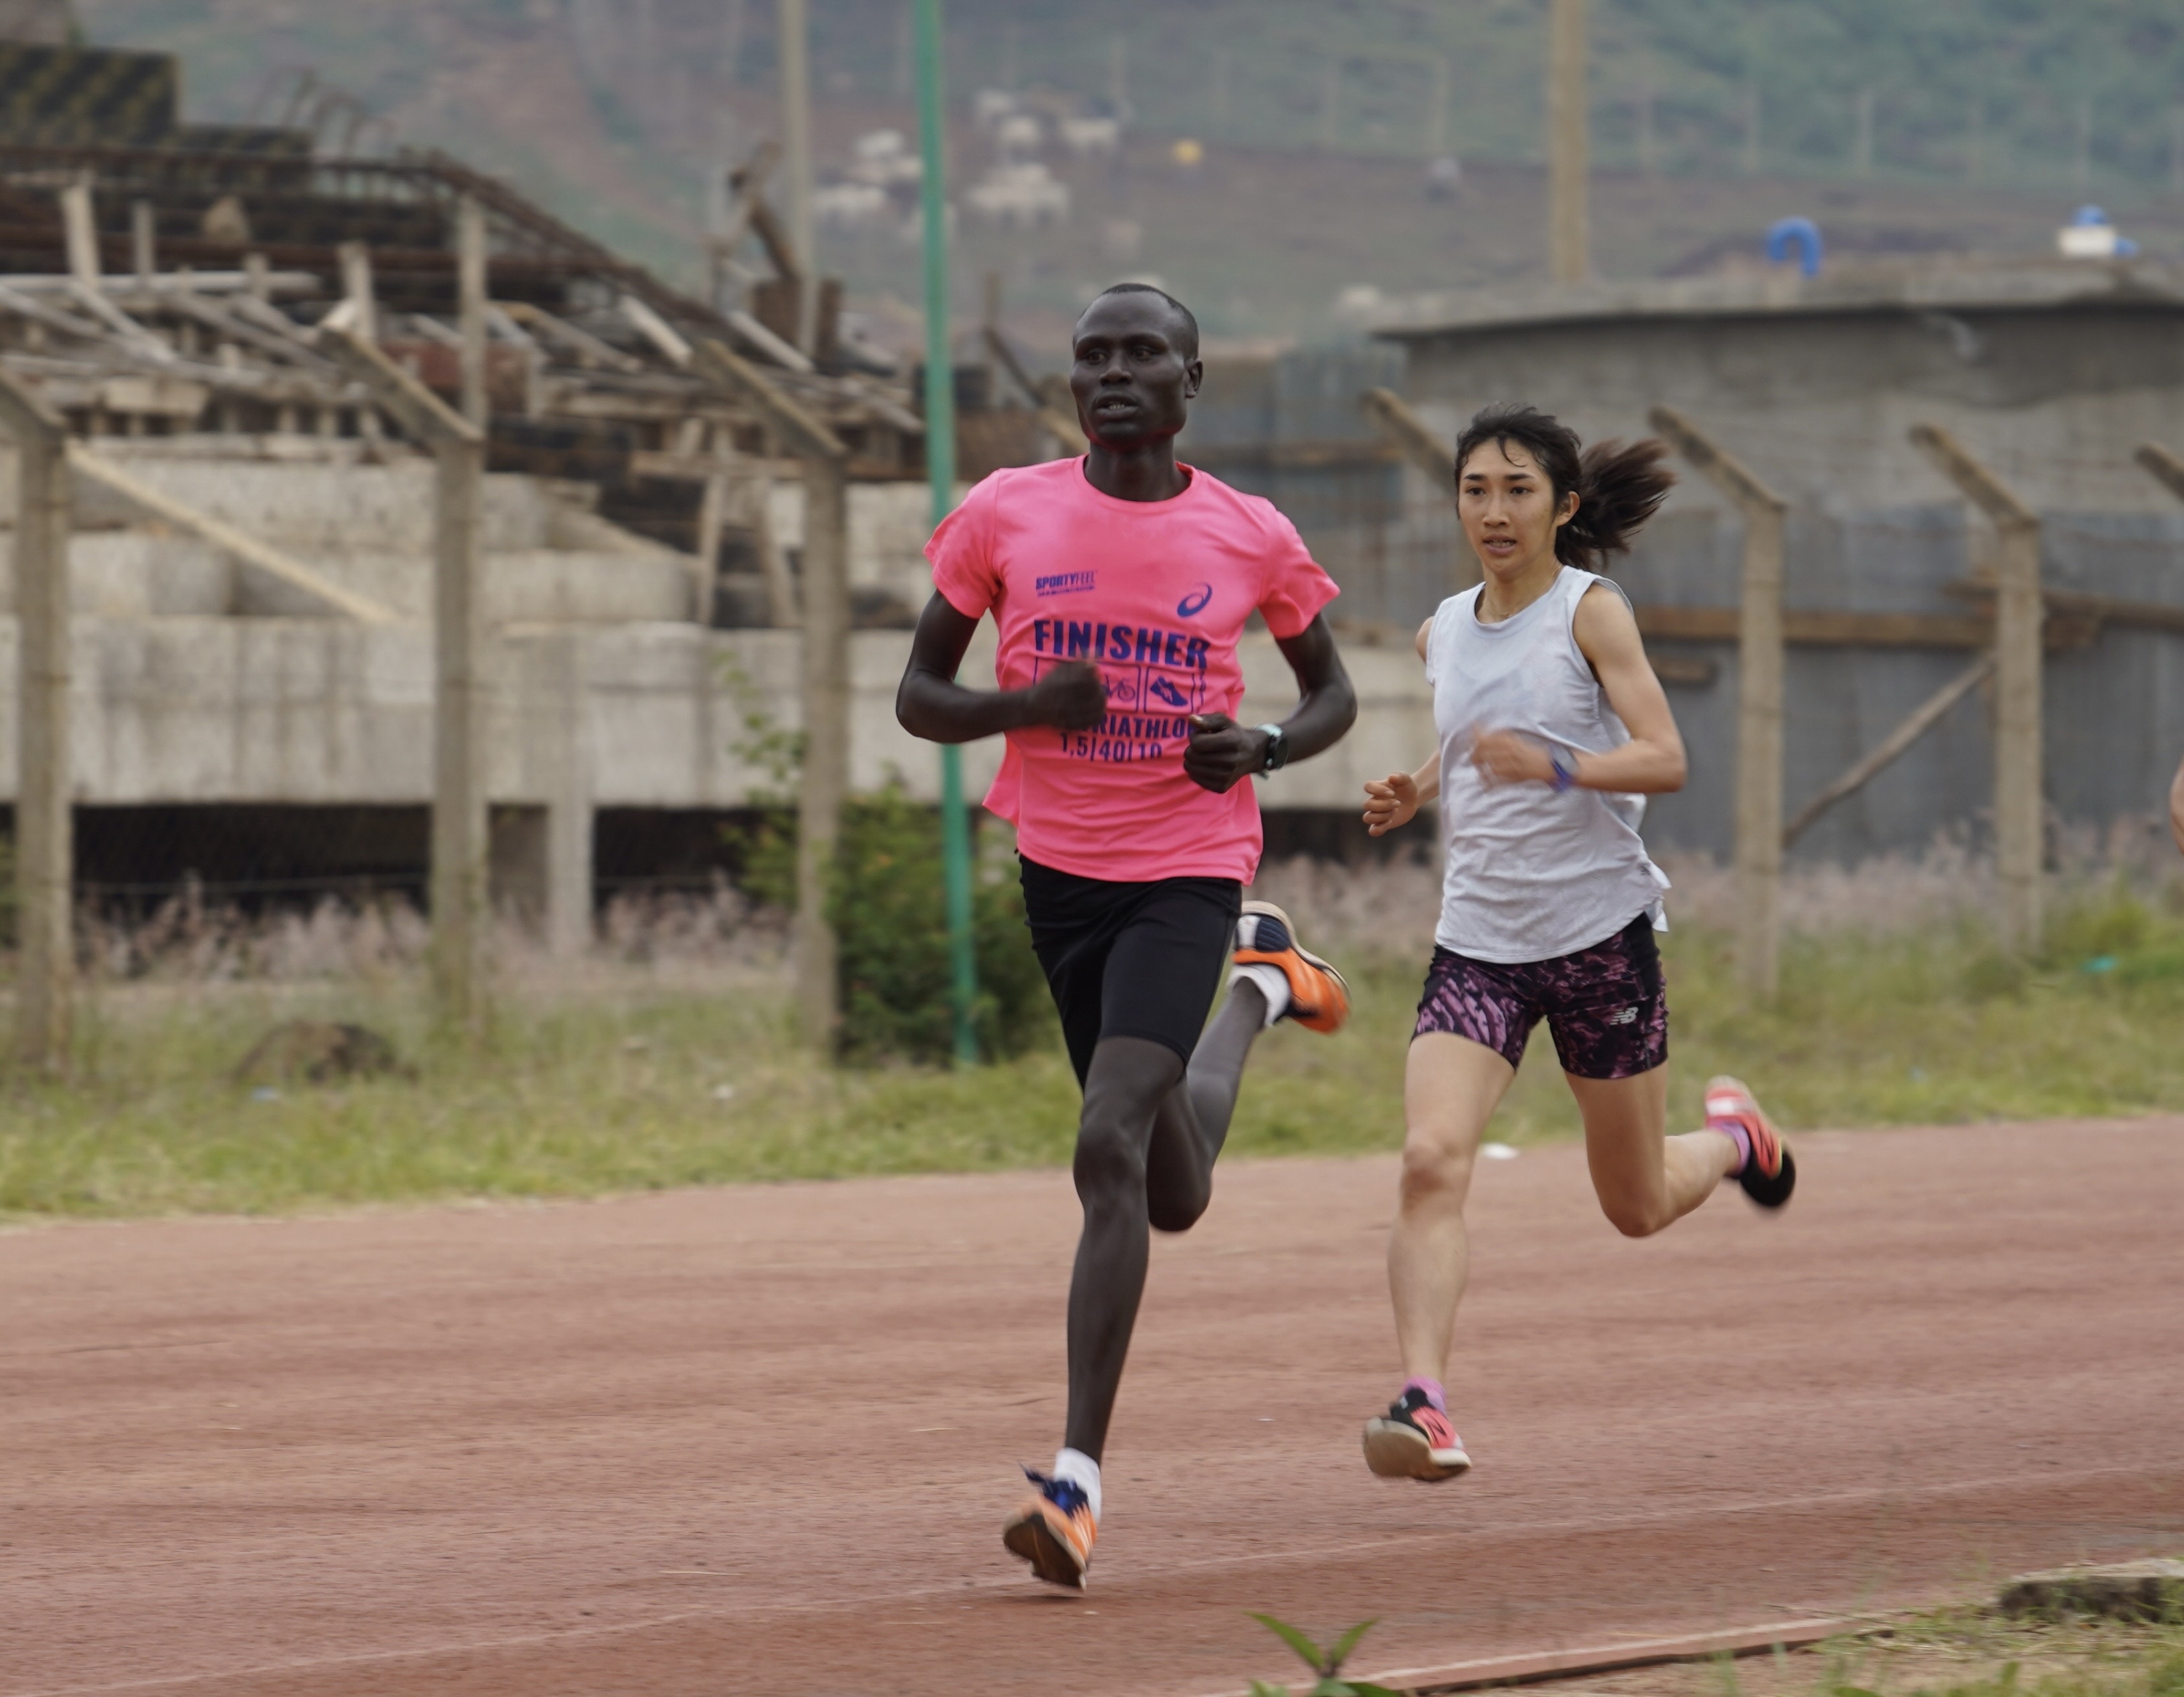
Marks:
<point>1618,486</point>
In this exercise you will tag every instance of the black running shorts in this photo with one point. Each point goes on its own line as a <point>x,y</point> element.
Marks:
<point>1140,960</point>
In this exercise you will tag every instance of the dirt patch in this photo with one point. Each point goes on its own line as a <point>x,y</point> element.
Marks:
<point>761,1438</point>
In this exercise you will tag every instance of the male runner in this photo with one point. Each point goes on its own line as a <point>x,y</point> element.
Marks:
<point>1120,582</point>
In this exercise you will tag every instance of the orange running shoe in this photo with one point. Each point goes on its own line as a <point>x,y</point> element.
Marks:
<point>1054,1531</point>
<point>1414,1440</point>
<point>1769,1176</point>
<point>1318,999</point>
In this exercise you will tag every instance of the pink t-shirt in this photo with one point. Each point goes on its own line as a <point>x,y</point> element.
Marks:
<point>1155,594</point>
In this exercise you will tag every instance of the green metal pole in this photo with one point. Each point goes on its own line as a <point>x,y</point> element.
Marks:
<point>940,471</point>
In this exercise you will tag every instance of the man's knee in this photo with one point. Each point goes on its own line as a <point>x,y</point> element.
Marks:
<point>1111,1160</point>
<point>1177,1209</point>
<point>1435,1175</point>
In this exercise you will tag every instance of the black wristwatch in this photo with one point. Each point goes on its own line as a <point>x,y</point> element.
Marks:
<point>1278,748</point>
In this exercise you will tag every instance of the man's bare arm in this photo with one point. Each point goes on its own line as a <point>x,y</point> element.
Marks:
<point>930,704</point>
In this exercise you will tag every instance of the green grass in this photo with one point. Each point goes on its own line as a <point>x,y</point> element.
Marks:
<point>620,1092</point>
<point>1980,1653</point>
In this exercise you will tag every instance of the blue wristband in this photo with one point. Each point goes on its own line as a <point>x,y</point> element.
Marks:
<point>1564,765</point>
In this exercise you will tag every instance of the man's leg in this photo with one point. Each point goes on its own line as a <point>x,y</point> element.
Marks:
<point>1129,1078</point>
<point>1192,1122</point>
<point>1151,1126</point>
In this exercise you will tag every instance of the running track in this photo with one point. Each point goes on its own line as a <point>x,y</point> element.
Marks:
<point>760,1439</point>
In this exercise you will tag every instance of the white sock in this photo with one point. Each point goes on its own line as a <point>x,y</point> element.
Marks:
<point>1273,984</point>
<point>1081,1472</point>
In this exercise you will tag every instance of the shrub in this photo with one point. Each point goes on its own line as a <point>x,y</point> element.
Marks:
<point>889,909</point>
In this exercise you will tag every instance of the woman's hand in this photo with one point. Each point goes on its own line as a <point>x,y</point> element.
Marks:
<point>1391,804</point>
<point>1503,757</point>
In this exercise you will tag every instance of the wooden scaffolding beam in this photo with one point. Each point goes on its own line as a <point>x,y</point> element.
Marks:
<point>2018,615</point>
<point>826,628</point>
<point>1759,840</point>
<point>460,841</point>
<point>45,838</point>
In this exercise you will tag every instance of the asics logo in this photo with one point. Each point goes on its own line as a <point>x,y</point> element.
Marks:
<point>1194,603</point>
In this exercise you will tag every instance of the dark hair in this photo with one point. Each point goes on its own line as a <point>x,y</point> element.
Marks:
<point>1618,487</point>
<point>1187,344</point>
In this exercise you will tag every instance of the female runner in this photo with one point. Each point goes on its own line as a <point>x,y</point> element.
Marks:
<point>1552,731</point>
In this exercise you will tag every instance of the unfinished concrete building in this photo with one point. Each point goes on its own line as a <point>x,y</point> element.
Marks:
<point>251,572</point>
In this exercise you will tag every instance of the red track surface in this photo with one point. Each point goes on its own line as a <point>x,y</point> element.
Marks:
<point>761,1439</point>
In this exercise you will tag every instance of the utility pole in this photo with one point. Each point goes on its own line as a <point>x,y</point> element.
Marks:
<point>2019,615</point>
<point>796,158</point>
<point>44,840</point>
<point>1758,808</point>
<point>1437,111</point>
<point>824,785</point>
<point>460,695</point>
<point>940,472</point>
<point>1569,260</point>
<point>1861,157</point>
<point>470,302</point>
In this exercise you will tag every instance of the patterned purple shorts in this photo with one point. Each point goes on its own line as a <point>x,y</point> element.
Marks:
<point>1606,1005</point>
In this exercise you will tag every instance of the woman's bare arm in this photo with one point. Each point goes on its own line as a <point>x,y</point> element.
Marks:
<point>1652,763</point>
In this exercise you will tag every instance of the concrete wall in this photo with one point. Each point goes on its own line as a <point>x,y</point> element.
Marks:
<point>2053,398</point>
<point>2114,711</point>
<point>319,711</point>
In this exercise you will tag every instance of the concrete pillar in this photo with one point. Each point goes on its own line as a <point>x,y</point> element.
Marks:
<point>569,811</point>
<point>517,876</point>
<point>79,229</point>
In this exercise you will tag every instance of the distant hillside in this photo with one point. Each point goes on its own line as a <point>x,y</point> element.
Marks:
<point>1938,123</point>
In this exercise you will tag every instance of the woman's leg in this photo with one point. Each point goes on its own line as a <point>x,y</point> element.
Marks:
<point>1451,1088</point>
<point>1646,1181</point>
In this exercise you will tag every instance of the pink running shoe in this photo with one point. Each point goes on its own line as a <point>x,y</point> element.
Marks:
<point>1414,1440</point>
<point>1769,1176</point>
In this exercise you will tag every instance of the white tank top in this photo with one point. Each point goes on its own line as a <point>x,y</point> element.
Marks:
<point>1528,874</point>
